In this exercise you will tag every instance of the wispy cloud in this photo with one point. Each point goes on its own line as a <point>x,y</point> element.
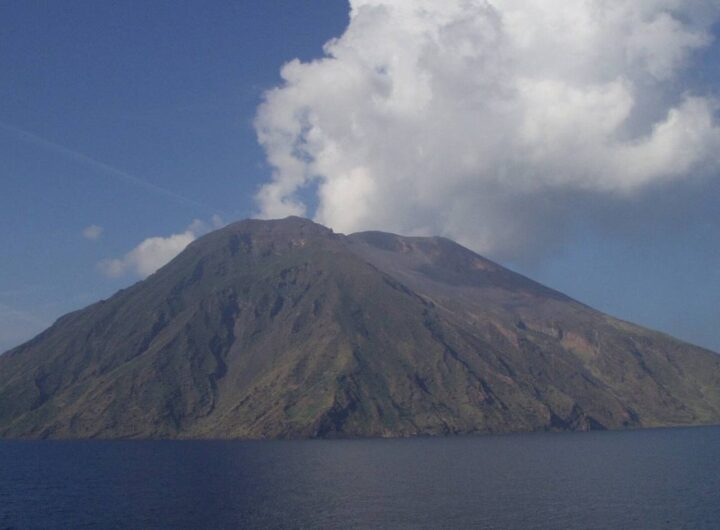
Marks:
<point>92,232</point>
<point>100,167</point>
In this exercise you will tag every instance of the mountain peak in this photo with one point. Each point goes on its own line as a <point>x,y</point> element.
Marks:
<point>290,224</point>
<point>282,328</point>
<point>258,237</point>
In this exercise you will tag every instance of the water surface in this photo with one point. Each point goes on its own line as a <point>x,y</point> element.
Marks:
<point>642,479</point>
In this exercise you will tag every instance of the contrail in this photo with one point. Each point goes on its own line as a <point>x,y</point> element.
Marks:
<point>100,166</point>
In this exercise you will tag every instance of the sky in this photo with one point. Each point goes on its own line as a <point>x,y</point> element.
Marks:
<point>578,144</point>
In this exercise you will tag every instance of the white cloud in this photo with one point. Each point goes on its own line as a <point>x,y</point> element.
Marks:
<point>92,232</point>
<point>148,256</point>
<point>154,252</point>
<point>478,119</point>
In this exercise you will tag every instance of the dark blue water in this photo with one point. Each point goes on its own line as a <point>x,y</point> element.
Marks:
<point>643,479</point>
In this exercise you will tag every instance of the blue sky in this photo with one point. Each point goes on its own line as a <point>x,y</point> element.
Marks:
<point>163,91</point>
<point>137,117</point>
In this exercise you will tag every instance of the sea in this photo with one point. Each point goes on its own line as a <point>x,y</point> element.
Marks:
<point>663,478</point>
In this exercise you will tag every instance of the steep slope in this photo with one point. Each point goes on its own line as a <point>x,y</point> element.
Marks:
<point>285,329</point>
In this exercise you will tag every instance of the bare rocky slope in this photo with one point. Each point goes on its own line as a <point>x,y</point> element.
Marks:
<point>279,329</point>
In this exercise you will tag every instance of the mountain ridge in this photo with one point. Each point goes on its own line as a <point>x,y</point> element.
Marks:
<point>284,329</point>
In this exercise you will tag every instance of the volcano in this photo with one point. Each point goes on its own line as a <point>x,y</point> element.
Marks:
<point>285,329</point>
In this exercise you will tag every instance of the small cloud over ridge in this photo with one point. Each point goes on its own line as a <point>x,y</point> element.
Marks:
<point>154,252</point>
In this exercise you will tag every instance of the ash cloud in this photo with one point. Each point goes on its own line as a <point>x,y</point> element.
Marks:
<point>497,123</point>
